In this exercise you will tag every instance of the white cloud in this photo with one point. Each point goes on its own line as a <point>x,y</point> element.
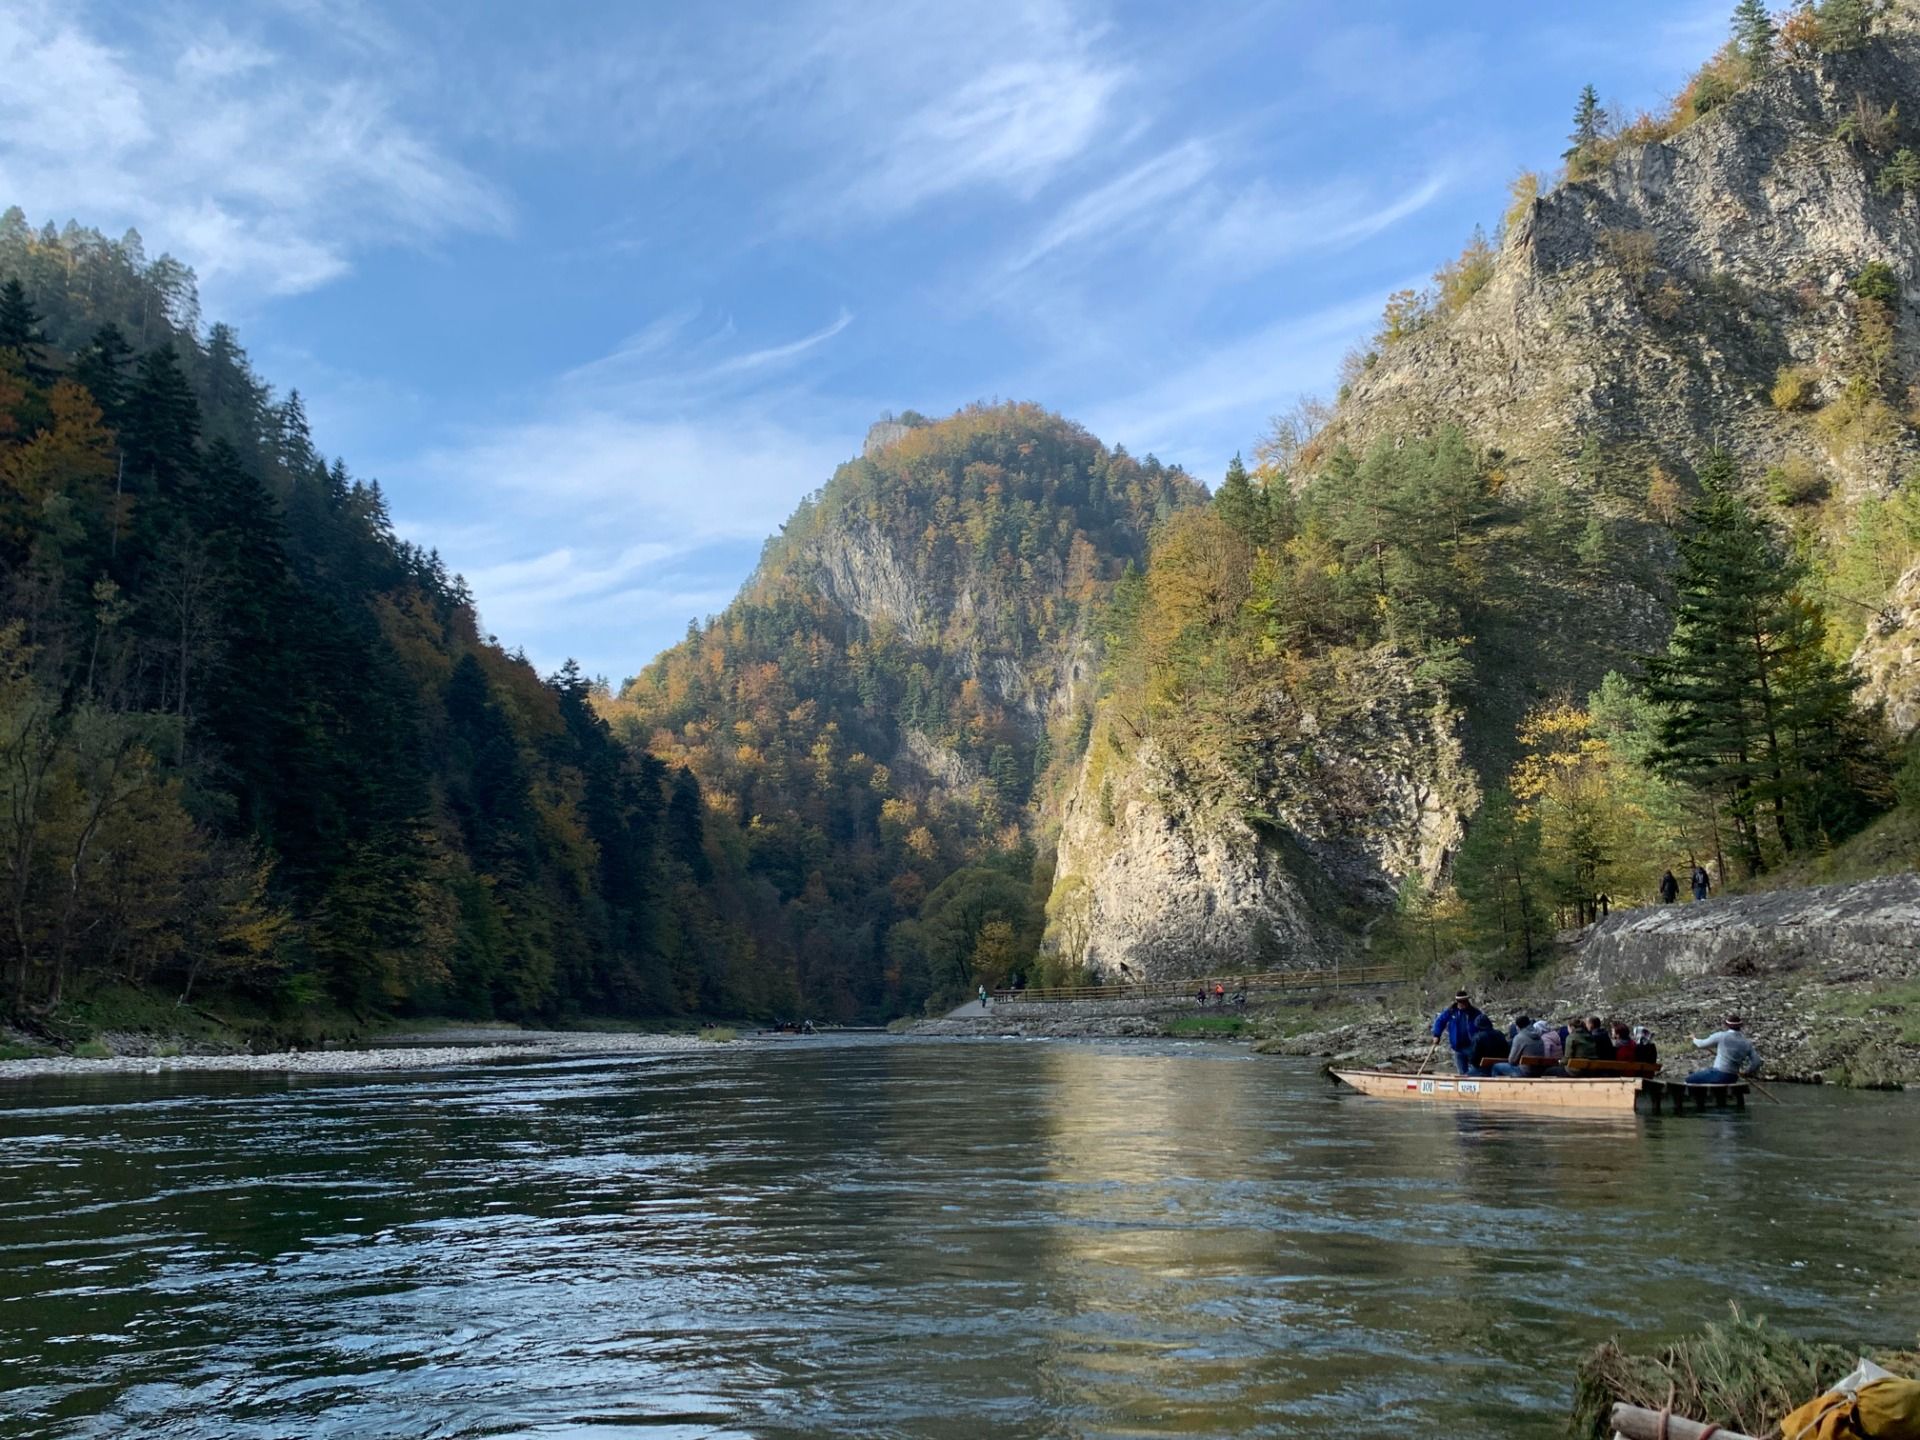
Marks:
<point>1117,208</point>
<point>865,112</point>
<point>1189,413</point>
<point>264,170</point>
<point>671,447</point>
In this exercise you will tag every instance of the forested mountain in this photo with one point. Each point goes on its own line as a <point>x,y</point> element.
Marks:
<point>879,718</point>
<point>253,741</point>
<point>1602,562</point>
<point>1563,589</point>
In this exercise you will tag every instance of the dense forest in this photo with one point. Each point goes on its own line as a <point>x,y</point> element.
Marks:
<point>880,717</point>
<point>254,743</point>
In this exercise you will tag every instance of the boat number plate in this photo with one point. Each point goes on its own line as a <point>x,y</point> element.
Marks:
<point>1426,1087</point>
<point>1469,1087</point>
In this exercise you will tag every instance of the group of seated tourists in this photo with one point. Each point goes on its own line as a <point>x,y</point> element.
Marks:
<point>1532,1047</point>
<point>1590,1046</point>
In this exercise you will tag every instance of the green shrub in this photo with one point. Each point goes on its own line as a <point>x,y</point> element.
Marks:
<point>1877,281</point>
<point>1858,417</point>
<point>719,1034</point>
<point>91,1050</point>
<point>1796,480</point>
<point>1794,388</point>
<point>1901,173</point>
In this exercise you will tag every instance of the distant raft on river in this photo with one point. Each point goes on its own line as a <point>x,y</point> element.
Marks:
<point>1570,1094</point>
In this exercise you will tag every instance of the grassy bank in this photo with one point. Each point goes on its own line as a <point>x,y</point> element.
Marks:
<point>1741,1374</point>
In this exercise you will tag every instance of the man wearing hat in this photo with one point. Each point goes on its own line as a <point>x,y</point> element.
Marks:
<point>1733,1056</point>
<point>1457,1023</point>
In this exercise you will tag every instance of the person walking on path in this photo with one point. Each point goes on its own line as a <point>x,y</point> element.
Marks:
<point>1456,1024</point>
<point>1733,1055</point>
<point>1669,889</point>
<point>1699,882</point>
<point>983,995</point>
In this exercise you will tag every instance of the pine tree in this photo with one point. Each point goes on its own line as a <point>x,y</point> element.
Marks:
<point>1496,875</point>
<point>1753,32</point>
<point>102,367</point>
<point>1757,713</point>
<point>20,329</point>
<point>1241,505</point>
<point>162,428</point>
<point>686,824</point>
<point>1589,128</point>
<point>1845,24</point>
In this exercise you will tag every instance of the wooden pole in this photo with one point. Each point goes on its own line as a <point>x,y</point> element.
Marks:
<point>1764,1091</point>
<point>1429,1060</point>
<point>1634,1423</point>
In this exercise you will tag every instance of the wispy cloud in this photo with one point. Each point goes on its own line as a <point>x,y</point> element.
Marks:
<point>1118,207</point>
<point>1197,409</point>
<point>265,171</point>
<point>879,111</point>
<point>670,449</point>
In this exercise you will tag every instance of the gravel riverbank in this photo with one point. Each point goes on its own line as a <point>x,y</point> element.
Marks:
<point>433,1052</point>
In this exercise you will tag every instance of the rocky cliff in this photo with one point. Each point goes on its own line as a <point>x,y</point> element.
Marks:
<point>1168,867</point>
<point>1746,282</point>
<point>1889,656</point>
<point>1647,314</point>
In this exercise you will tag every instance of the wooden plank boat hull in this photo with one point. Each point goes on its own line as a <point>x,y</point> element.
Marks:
<point>1570,1095</point>
<point>1618,1095</point>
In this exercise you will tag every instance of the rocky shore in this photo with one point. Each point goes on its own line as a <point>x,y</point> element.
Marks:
<point>425,1053</point>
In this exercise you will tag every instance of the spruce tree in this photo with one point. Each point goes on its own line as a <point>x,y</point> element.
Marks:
<point>1845,24</point>
<point>102,367</point>
<point>1241,505</point>
<point>1589,127</point>
<point>1753,32</point>
<point>1757,713</point>
<point>20,329</point>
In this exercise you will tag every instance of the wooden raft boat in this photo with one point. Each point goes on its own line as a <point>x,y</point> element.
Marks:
<point>1568,1094</point>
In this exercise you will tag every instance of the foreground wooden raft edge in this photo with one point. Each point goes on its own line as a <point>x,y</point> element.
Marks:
<point>1572,1093</point>
<point>1634,1423</point>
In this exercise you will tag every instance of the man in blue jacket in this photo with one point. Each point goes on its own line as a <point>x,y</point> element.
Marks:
<point>1457,1023</point>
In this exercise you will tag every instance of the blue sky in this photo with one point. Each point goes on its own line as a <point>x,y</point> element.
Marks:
<point>599,290</point>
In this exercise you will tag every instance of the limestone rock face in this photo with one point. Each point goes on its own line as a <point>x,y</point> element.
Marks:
<point>1643,316</point>
<point>1168,869</point>
<point>1888,658</point>
<point>1870,928</point>
<point>859,569</point>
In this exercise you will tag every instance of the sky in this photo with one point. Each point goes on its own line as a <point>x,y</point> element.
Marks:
<point>598,290</point>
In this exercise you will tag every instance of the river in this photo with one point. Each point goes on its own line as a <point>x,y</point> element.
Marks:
<point>897,1238</point>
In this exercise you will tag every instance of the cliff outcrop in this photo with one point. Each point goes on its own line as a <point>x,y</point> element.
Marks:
<point>1170,867</point>
<point>1747,283</point>
<point>1646,315</point>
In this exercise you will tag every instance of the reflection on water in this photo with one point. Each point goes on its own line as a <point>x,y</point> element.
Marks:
<point>894,1238</point>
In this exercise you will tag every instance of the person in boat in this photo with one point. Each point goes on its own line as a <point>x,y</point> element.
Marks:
<point>1552,1042</point>
<point>1733,1055</point>
<point>1587,1040</point>
<point>1623,1046</point>
<point>1644,1050</point>
<point>1455,1025</point>
<point>1526,1045</point>
<point>1669,889</point>
<point>1490,1047</point>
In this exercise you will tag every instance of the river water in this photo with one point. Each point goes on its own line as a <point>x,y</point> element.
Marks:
<point>897,1238</point>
